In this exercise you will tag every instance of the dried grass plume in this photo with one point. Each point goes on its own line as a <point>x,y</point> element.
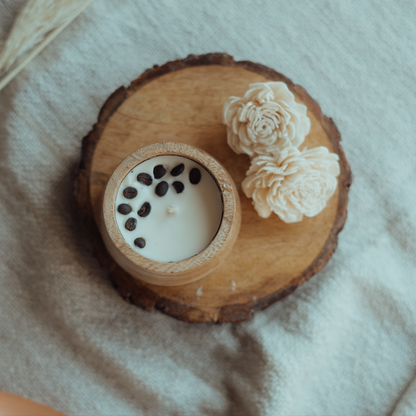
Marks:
<point>38,23</point>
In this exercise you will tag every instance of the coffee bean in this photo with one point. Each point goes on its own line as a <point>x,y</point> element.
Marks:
<point>177,170</point>
<point>130,224</point>
<point>179,186</point>
<point>145,179</point>
<point>140,242</point>
<point>159,171</point>
<point>194,176</point>
<point>144,211</point>
<point>130,192</point>
<point>124,209</point>
<point>161,188</point>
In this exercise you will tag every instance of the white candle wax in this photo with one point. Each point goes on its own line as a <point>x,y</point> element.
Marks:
<point>180,223</point>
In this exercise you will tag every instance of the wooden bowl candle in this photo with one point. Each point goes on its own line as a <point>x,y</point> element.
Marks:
<point>170,214</point>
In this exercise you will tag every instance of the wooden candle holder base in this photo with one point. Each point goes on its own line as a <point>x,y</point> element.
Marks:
<point>182,101</point>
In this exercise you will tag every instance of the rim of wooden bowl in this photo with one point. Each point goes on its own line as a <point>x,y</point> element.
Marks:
<point>226,188</point>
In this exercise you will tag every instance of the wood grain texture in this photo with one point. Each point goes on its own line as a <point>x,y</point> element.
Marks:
<point>178,272</point>
<point>182,101</point>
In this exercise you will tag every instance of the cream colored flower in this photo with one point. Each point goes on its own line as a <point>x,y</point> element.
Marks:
<point>266,120</point>
<point>292,183</point>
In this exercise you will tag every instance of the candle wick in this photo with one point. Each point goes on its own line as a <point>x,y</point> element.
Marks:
<point>171,210</point>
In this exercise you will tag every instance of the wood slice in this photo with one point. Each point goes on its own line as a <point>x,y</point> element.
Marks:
<point>182,101</point>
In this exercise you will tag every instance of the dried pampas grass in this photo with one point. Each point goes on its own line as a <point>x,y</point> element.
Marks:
<point>38,23</point>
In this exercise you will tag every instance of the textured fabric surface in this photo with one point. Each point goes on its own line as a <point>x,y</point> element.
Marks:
<point>343,344</point>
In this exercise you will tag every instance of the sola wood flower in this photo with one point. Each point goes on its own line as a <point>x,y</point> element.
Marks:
<point>292,183</point>
<point>266,120</point>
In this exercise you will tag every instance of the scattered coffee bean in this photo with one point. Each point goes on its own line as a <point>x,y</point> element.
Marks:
<point>144,211</point>
<point>145,179</point>
<point>195,176</point>
<point>159,171</point>
<point>140,242</point>
<point>124,209</point>
<point>130,224</point>
<point>130,192</point>
<point>177,170</point>
<point>179,186</point>
<point>161,188</point>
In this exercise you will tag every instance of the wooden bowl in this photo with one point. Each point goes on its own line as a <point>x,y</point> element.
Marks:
<point>175,272</point>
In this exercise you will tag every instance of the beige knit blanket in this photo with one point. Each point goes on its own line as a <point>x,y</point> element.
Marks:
<point>343,344</point>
